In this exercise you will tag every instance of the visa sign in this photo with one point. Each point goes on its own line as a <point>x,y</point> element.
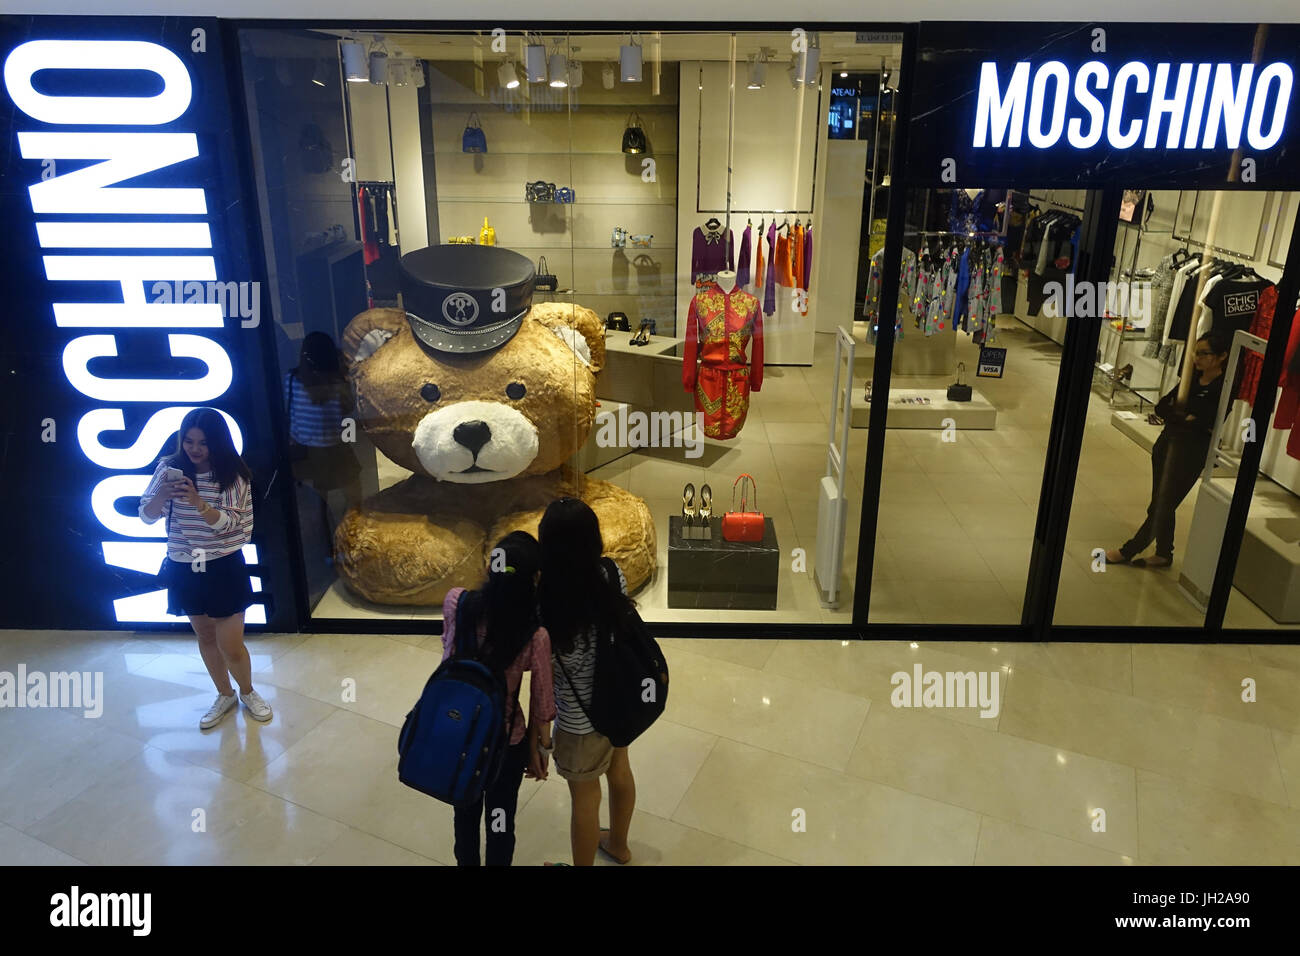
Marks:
<point>1170,106</point>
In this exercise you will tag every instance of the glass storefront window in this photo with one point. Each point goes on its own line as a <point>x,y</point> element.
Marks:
<point>633,173</point>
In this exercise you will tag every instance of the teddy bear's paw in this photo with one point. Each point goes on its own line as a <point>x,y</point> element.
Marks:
<point>626,527</point>
<point>402,558</point>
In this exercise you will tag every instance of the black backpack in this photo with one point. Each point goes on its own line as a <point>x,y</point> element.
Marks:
<point>630,687</point>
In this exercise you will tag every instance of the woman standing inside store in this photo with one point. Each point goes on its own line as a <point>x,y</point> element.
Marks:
<point>503,617</point>
<point>205,490</point>
<point>1178,456</point>
<point>579,599</point>
<point>317,397</point>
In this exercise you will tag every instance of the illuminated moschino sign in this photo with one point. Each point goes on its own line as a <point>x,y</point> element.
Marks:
<point>111,226</point>
<point>1133,106</point>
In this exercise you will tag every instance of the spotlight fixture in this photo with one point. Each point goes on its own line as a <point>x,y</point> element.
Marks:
<point>805,65</point>
<point>535,62</point>
<point>354,61</point>
<point>630,60</point>
<point>417,73</point>
<point>575,73</point>
<point>379,63</point>
<point>758,68</point>
<point>558,69</point>
<point>844,74</point>
<point>398,72</point>
<point>508,75</point>
<point>607,75</point>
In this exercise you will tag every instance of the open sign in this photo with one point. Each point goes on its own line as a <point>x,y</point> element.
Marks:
<point>992,362</point>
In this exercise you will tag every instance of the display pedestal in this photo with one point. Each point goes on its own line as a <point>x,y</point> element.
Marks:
<point>978,413</point>
<point>720,574</point>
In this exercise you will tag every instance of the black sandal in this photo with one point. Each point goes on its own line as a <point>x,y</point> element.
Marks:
<point>1120,560</point>
<point>1144,563</point>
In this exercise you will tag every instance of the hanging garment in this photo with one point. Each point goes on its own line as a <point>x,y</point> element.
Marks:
<point>784,272</point>
<point>1253,362</point>
<point>961,298</point>
<point>720,326</point>
<point>757,288</point>
<point>796,256</point>
<point>1288,406</point>
<point>1233,303</point>
<point>1183,310</point>
<point>1162,286</point>
<point>807,258</point>
<point>742,261</point>
<point>711,252</point>
<point>907,291</point>
<point>769,290</point>
<point>369,241</point>
<point>379,198</point>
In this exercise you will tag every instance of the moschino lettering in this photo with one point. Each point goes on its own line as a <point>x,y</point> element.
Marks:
<point>1134,105</point>
<point>122,236</point>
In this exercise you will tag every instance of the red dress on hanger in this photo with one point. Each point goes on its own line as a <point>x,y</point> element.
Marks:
<point>719,327</point>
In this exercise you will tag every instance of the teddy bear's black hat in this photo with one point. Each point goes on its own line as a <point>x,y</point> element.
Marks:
<point>466,298</point>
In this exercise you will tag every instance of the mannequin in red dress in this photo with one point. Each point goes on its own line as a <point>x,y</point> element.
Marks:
<point>721,323</point>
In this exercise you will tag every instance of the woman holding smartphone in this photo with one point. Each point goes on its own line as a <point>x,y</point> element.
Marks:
<point>205,491</point>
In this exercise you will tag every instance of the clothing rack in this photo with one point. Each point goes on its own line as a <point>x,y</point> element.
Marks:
<point>1188,242</point>
<point>1056,203</point>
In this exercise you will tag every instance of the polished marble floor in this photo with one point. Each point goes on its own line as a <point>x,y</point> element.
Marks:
<point>1152,741</point>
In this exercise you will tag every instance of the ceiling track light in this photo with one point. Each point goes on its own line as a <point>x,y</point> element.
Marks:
<point>535,62</point>
<point>379,63</point>
<point>806,64</point>
<point>575,74</point>
<point>558,68</point>
<point>631,59</point>
<point>758,69</point>
<point>508,75</point>
<point>355,67</point>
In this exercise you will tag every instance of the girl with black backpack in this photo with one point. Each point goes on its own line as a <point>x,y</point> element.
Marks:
<point>504,617</point>
<point>581,596</point>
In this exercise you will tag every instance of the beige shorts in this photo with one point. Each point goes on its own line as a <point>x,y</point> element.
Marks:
<point>582,756</point>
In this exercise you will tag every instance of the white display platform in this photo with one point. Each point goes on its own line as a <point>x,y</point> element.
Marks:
<point>977,414</point>
<point>1137,428</point>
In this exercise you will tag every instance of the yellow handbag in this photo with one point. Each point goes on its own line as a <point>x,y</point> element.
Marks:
<point>487,236</point>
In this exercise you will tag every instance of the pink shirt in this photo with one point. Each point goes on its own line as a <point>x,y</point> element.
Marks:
<point>535,657</point>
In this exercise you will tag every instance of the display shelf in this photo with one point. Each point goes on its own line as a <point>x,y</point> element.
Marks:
<point>553,152</point>
<point>593,201</point>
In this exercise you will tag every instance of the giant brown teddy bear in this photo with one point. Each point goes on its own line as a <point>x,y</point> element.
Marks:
<point>487,436</point>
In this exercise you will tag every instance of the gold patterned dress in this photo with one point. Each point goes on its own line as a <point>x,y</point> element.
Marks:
<point>720,328</point>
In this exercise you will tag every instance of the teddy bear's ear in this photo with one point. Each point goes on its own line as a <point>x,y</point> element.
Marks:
<point>567,318</point>
<point>368,331</point>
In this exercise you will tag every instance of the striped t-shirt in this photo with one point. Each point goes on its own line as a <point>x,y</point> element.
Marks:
<point>188,534</point>
<point>580,665</point>
<point>319,426</point>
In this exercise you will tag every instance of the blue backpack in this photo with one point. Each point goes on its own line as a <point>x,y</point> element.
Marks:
<point>453,740</point>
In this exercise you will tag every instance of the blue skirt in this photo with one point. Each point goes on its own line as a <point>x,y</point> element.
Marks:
<point>221,589</point>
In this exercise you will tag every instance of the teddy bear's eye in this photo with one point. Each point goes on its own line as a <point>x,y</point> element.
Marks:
<point>430,392</point>
<point>516,390</point>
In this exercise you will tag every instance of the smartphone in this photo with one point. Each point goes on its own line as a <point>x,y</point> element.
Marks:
<point>173,474</point>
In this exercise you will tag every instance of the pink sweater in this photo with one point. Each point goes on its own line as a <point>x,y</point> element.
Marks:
<point>535,657</point>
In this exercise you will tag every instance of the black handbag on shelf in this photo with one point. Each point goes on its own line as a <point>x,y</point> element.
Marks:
<point>545,280</point>
<point>959,391</point>
<point>539,191</point>
<point>618,322</point>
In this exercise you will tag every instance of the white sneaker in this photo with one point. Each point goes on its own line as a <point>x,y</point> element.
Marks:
<point>220,707</point>
<point>258,709</point>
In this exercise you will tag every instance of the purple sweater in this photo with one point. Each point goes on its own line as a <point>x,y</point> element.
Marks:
<point>710,258</point>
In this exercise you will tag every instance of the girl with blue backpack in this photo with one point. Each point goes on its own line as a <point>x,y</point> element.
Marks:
<point>503,617</point>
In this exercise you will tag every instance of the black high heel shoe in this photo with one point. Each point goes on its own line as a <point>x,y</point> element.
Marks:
<point>688,509</point>
<point>706,511</point>
<point>642,336</point>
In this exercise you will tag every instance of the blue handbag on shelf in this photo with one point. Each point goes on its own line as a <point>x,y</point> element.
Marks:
<point>473,140</point>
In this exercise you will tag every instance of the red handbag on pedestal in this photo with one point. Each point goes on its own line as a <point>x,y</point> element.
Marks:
<point>743,525</point>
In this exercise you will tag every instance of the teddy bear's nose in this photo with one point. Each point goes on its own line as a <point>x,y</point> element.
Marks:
<point>473,435</point>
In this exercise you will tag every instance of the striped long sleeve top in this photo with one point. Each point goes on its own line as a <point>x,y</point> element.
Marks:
<point>188,533</point>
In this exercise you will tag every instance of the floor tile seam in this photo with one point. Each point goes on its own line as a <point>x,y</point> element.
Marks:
<point>43,843</point>
<point>1194,781</point>
<point>117,765</point>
